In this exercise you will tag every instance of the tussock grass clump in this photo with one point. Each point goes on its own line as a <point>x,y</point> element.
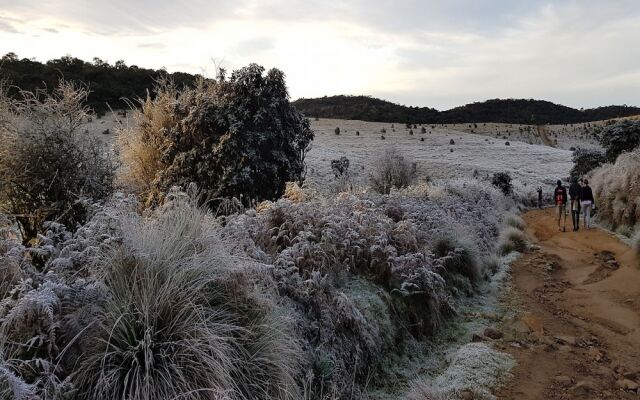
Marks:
<point>515,221</point>
<point>475,368</point>
<point>183,322</point>
<point>512,239</point>
<point>492,263</point>
<point>457,257</point>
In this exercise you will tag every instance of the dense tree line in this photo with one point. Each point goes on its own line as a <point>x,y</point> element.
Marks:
<point>109,85</point>
<point>514,111</point>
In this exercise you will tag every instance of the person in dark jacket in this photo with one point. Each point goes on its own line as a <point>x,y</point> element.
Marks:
<point>560,196</point>
<point>587,202</point>
<point>574,194</point>
<point>539,196</point>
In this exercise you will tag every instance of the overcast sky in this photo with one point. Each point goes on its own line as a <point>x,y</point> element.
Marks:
<point>441,54</point>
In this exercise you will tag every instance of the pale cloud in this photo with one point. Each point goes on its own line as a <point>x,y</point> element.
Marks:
<point>419,52</point>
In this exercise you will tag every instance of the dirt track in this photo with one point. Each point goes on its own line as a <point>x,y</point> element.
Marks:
<point>579,337</point>
<point>542,132</point>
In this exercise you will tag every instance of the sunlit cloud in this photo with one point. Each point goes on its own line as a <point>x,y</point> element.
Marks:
<point>428,53</point>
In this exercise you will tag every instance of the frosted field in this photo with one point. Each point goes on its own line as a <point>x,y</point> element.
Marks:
<point>530,164</point>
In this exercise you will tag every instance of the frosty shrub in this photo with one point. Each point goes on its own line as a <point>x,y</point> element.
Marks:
<point>236,137</point>
<point>512,239</point>
<point>457,258</point>
<point>586,160</point>
<point>183,320</point>
<point>390,170</point>
<point>515,221</point>
<point>360,271</point>
<point>502,180</point>
<point>475,368</point>
<point>616,188</point>
<point>623,136</point>
<point>49,169</point>
<point>179,304</point>
<point>340,167</point>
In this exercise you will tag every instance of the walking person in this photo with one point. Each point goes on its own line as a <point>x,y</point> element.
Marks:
<point>575,190</point>
<point>587,202</point>
<point>560,196</point>
<point>540,197</point>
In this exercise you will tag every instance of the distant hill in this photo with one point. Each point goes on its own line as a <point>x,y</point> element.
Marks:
<point>514,111</point>
<point>110,85</point>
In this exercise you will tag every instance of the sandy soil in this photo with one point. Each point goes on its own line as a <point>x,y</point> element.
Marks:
<point>579,337</point>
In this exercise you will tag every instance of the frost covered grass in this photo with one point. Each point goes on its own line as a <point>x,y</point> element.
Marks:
<point>179,303</point>
<point>617,191</point>
<point>183,323</point>
<point>473,155</point>
<point>475,368</point>
<point>512,239</point>
<point>514,221</point>
<point>168,314</point>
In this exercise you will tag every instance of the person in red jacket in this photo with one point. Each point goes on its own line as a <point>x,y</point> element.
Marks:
<point>560,196</point>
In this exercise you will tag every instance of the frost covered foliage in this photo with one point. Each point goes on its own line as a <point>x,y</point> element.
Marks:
<point>391,170</point>
<point>475,368</point>
<point>50,296</point>
<point>621,137</point>
<point>368,274</point>
<point>238,137</point>
<point>178,304</point>
<point>183,320</point>
<point>49,170</point>
<point>512,239</point>
<point>586,160</point>
<point>617,191</point>
<point>140,308</point>
<point>502,180</point>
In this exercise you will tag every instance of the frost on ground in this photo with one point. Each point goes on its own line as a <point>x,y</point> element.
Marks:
<point>435,157</point>
<point>475,368</point>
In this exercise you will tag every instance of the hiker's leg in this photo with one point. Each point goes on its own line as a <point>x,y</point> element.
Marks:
<point>587,215</point>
